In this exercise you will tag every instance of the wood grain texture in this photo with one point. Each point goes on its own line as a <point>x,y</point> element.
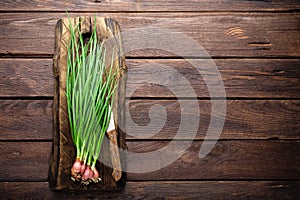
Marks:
<point>250,78</point>
<point>26,120</point>
<point>247,78</point>
<point>163,189</point>
<point>245,119</point>
<point>157,5</point>
<point>25,161</point>
<point>255,45</point>
<point>228,160</point>
<point>26,77</point>
<point>220,34</point>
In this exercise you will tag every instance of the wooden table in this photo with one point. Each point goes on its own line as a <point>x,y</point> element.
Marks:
<point>256,47</point>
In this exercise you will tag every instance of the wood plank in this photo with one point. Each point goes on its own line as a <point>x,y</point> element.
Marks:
<point>147,5</point>
<point>245,159</point>
<point>26,120</point>
<point>245,119</point>
<point>247,78</point>
<point>262,78</point>
<point>26,77</point>
<point>220,34</point>
<point>227,160</point>
<point>27,161</point>
<point>162,190</point>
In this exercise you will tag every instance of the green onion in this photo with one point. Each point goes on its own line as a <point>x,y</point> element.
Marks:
<point>90,87</point>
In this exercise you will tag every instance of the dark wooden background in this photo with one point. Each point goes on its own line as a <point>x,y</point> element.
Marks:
<point>255,44</point>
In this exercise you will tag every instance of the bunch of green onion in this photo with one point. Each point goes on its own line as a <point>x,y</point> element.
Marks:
<point>90,87</point>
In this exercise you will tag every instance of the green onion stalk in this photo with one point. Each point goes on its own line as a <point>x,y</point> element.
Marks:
<point>90,87</point>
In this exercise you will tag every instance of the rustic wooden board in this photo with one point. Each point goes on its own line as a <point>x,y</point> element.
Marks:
<point>221,34</point>
<point>148,5</point>
<point>228,160</point>
<point>247,78</point>
<point>63,149</point>
<point>245,119</point>
<point>164,189</point>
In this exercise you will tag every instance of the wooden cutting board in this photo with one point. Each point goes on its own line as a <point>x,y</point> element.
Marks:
<point>63,152</point>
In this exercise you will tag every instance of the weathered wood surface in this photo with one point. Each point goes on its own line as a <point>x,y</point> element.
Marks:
<point>157,5</point>
<point>25,161</point>
<point>26,120</point>
<point>26,77</point>
<point>256,47</point>
<point>245,159</point>
<point>220,34</point>
<point>247,78</point>
<point>63,148</point>
<point>228,160</point>
<point>245,119</point>
<point>163,189</point>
